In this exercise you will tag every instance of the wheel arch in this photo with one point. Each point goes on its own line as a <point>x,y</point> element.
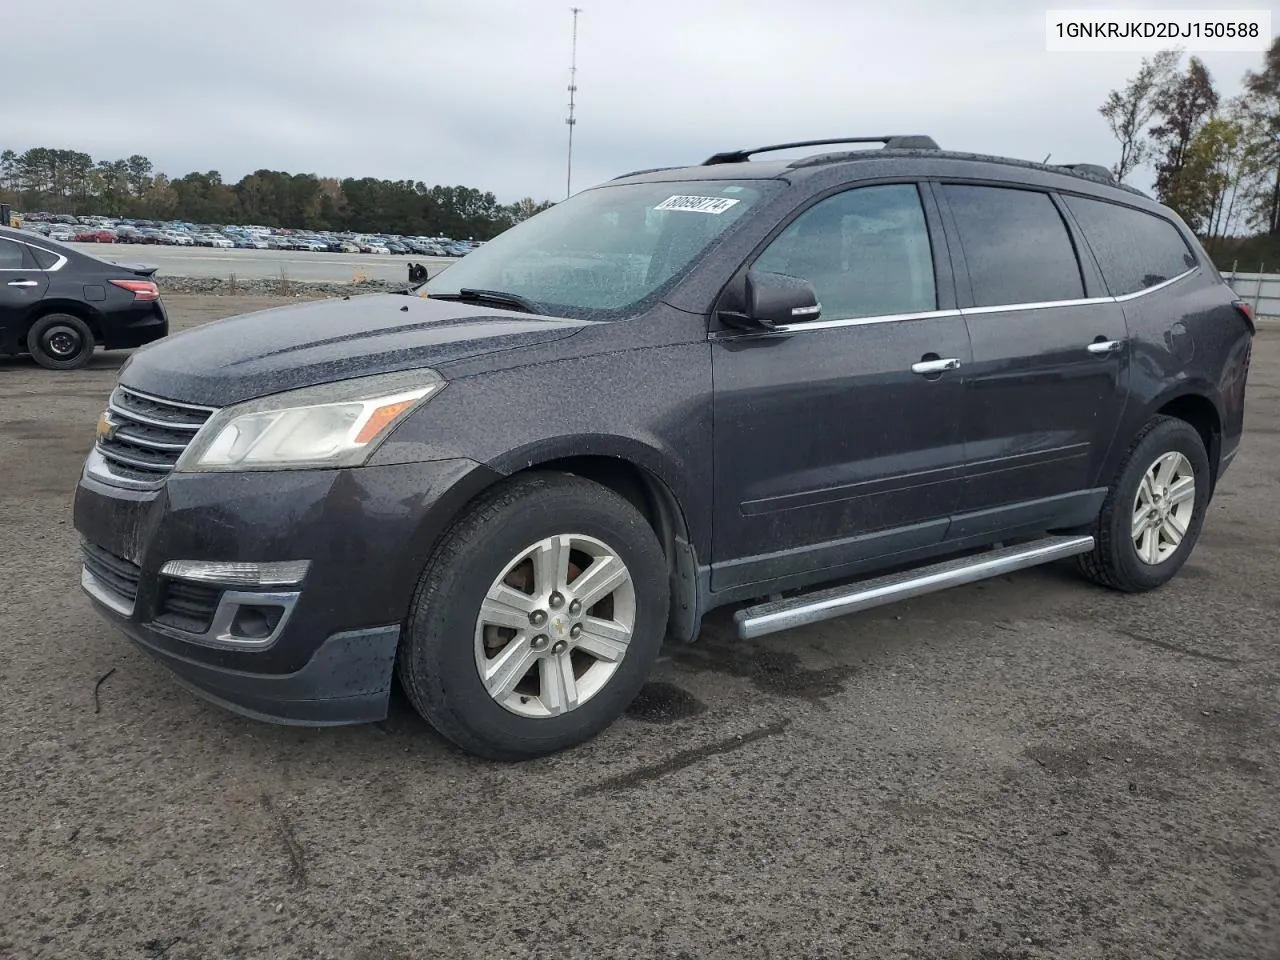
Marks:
<point>638,474</point>
<point>75,308</point>
<point>1197,409</point>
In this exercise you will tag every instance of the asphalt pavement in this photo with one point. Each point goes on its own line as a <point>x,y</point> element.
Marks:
<point>1030,767</point>
<point>263,264</point>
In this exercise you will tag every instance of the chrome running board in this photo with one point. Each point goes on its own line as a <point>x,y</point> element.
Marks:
<point>837,601</point>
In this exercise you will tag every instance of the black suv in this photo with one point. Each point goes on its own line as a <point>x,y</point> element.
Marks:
<point>739,381</point>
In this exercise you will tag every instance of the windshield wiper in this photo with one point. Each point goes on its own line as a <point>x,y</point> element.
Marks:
<point>494,296</point>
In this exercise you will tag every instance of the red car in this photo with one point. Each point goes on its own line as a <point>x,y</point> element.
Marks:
<point>95,236</point>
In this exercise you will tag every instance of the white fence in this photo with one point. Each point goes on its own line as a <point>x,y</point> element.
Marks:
<point>1262,290</point>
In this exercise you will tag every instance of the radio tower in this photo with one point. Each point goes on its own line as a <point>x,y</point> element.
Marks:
<point>573,90</point>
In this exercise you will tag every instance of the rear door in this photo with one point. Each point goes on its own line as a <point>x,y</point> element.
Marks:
<point>1047,385</point>
<point>22,286</point>
<point>838,439</point>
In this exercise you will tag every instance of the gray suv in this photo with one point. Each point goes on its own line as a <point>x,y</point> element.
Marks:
<point>812,386</point>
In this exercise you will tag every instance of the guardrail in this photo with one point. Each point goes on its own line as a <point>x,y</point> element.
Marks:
<point>1262,290</point>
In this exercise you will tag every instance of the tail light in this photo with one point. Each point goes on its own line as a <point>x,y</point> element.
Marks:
<point>141,289</point>
<point>1246,311</point>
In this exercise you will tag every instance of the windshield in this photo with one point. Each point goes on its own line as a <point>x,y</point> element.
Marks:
<point>604,251</point>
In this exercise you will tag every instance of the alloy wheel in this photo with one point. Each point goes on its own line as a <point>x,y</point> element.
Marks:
<point>555,625</point>
<point>1163,508</point>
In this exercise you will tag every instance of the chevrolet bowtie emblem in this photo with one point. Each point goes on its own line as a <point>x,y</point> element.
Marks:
<point>106,428</point>
<point>559,625</point>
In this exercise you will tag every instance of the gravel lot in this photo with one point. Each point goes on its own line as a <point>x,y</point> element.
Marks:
<point>1031,767</point>
<point>263,264</point>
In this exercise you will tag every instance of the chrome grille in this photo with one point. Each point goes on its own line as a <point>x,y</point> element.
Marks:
<point>148,434</point>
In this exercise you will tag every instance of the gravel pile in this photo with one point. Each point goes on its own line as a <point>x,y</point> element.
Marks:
<point>273,286</point>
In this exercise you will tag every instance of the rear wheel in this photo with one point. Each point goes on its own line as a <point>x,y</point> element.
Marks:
<point>60,341</point>
<point>537,619</point>
<point>1153,513</point>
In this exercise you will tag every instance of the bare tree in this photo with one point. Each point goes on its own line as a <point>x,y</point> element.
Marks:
<point>1131,110</point>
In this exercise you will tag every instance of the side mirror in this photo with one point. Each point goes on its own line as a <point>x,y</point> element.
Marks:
<point>773,300</point>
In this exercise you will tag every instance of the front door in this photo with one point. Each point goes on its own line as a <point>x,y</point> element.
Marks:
<point>1050,362</point>
<point>838,439</point>
<point>22,285</point>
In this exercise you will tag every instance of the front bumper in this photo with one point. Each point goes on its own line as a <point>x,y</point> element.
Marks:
<point>367,533</point>
<point>347,680</point>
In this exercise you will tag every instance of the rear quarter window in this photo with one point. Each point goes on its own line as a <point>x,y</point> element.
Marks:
<point>1134,249</point>
<point>44,258</point>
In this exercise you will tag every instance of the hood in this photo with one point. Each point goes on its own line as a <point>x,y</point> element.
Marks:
<point>304,344</point>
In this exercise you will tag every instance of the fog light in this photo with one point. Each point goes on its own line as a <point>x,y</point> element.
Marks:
<point>280,573</point>
<point>255,622</point>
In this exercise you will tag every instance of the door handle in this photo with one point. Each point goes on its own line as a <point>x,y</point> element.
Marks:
<point>23,283</point>
<point>935,366</point>
<point>1105,346</point>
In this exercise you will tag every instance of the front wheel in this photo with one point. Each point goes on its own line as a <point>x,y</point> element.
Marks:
<point>1153,513</point>
<point>537,619</point>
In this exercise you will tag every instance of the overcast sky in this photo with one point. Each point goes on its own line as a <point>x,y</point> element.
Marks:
<point>473,92</point>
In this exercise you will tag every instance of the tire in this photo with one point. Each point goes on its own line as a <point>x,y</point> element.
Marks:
<point>488,550</point>
<point>60,341</point>
<point>1117,559</point>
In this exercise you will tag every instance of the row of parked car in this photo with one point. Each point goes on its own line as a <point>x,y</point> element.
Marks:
<point>67,228</point>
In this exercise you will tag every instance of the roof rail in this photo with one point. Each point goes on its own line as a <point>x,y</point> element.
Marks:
<point>898,142</point>
<point>1092,169</point>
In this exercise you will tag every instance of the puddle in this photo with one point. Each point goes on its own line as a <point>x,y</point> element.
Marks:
<point>771,671</point>
<point>681,760</point>
<point>662,702</point>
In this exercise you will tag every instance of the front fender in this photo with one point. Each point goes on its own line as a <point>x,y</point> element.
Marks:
<point>650,407</point>
<point>648,454</point>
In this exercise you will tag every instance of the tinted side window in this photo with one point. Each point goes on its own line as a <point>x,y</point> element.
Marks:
<point>11,255</point>
<point>866,251</point>
<point>1134,249</point>
<point>1016,245</point>
<point>44,259</point>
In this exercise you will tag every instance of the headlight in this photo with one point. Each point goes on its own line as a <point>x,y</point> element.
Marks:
<point>331,425</point>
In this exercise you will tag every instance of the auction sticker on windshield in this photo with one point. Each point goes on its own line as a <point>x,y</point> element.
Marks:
<point>697,204</point>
